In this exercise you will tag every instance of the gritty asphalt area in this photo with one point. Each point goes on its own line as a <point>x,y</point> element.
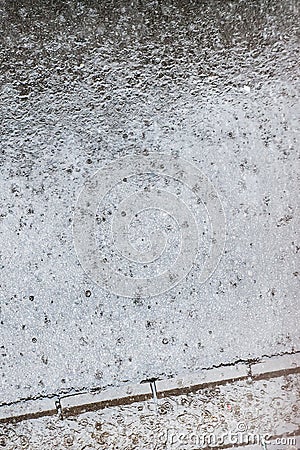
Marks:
<point>86,83</point>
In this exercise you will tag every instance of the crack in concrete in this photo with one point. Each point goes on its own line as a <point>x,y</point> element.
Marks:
<point>248,361</point>
<point>152,381</point>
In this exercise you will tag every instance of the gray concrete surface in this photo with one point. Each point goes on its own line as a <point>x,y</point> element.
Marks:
<point>84,84</point>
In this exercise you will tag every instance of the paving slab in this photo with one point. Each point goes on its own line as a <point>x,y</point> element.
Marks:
<point>85,84</point>
<point>71,405</point>
<point>29,409</point>
<point>277,364</point>
<point>190,381</point>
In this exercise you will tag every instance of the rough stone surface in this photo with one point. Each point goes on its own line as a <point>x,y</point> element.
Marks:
<point>83,83</point>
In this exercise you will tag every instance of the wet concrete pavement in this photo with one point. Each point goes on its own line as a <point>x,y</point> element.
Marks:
<point>84,84</point>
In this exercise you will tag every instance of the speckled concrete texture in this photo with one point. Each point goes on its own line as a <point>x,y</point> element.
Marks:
<point>83,84</point>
